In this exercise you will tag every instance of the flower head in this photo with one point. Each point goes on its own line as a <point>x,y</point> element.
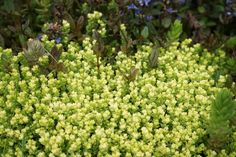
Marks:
<point>39,37</point>
<point>170,10</point>
<point>132,6</point>
<point>144,2</point>
<point>232,14</point>
<point>148,17</point>
<point>228,13</point>
<point>179,18</point>
<point>58,40</point>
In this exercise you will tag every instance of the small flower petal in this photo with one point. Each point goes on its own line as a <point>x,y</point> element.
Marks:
<point>144,2</point>
<point>170,10</point>
<point>39,37</point>
<point>58,40</point>
<point>132,6</point>
<point>148,17</point>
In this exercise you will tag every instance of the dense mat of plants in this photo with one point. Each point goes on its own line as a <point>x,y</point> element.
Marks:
<point>157,102</point>
<point>208,22</point>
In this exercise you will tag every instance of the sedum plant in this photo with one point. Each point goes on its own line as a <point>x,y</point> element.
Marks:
<point>125,109</point>
<point>95,22</point>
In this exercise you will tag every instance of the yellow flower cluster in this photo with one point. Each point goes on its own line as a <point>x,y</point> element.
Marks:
<point>162,112</point>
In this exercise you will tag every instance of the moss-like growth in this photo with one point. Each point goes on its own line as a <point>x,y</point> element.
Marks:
<point>129,109</point>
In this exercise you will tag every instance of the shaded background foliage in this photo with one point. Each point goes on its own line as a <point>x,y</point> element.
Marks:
<point>208,22</point>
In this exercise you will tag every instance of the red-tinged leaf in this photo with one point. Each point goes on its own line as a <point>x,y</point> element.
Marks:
<point>80,23</point>
<point>55,52</point>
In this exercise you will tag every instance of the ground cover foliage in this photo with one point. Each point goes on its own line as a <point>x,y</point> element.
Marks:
<point>65,99</point>
<point>210,23</point>
<point>117,79</point>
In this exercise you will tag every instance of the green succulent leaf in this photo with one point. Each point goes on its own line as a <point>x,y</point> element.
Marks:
<point>175,31</point>
<point>145,32</point>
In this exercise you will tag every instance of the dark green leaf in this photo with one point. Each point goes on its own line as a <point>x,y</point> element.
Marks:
<point>201,9</point>
<point>151,28</point>
<point>166,22</point>
<point>210,23</point>
<point>145,32</point>
<point>22,40</point>
<point>9,5</point>
<point>219,8</point>
<point>2,43</point>
<point>231,42</point>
